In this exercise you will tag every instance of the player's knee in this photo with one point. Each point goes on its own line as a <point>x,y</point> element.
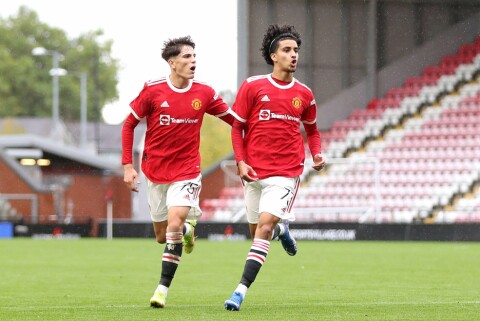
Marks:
<point>265,230</point>
<point>175,225</point>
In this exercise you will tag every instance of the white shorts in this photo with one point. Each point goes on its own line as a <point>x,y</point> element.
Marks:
<point>183,193</point>
<point>274,195</point>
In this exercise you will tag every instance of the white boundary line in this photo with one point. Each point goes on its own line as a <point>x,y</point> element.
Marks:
<point>393,303</point>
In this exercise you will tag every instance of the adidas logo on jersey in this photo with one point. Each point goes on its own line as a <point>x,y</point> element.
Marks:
<point>265,98</point>
<point>164,104</point>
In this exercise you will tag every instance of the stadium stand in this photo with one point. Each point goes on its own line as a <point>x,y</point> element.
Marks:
<point>412,155</point>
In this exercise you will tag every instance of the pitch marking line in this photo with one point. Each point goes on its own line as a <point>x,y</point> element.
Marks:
<point>87,307</point>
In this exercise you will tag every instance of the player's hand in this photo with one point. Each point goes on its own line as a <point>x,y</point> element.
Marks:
<point>318,162</point>
<point>130,177</point>
<point>246,172</point>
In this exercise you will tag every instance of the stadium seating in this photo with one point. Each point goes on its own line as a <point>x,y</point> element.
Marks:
<point>412,155</point>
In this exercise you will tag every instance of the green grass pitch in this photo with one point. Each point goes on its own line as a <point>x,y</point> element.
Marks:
<point>97,279</point>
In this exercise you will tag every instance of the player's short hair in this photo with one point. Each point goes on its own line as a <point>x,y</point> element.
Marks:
<point>273,35</point>
<point>173,47</point>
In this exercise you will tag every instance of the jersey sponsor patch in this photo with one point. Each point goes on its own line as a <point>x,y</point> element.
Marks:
<point>164,120</point>
<point>266,114</point>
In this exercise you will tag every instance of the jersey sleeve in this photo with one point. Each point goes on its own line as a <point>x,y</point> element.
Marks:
<point>241,109</point>
<point>217,106</point>
<point>242,102</point>
<point>127,138</point>
<point>309,119</point>
<point>141,105</point>
<point>313,138</point>
<point>309,115</point>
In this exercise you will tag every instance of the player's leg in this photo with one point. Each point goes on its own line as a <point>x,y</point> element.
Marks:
<point>255,259</point>
<point>186,193</point>
<point>252,228</point>
<point>252,193</point>
<point>158,298</point>
<point>189,235</point>
<point>156,195</point>
<point>288,241</point>
<point>287,197</point>
<point>182,201</point>
<point>277,197</point>
<point>277,231</point>
<point>274,201</point>
<point>172,253</point>
<point>160,229</point>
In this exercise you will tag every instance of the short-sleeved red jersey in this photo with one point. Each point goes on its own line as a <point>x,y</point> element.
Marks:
<point>272,111</point>
<point>174,117</point>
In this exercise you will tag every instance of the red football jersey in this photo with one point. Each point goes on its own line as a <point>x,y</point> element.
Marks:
<point>174,117</point>
<point>272,111</point>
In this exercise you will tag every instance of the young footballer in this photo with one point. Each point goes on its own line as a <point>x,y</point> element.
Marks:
<point>269,149</point>
<point>173,108</point>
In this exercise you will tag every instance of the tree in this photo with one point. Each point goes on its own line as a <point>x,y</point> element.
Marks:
<point>25,82</point>
<point>215,136</point>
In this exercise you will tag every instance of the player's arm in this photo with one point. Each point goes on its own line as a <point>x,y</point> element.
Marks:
<point>228,116</point>
<point>309,119</point>
<point>220,109</point>
<point>241,110</point>
<point>314,144</point>
<point>130,175</point>
<point>245,171</point>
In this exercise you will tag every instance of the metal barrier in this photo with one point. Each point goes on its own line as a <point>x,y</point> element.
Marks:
<point>365,213</point>
<point>31,197</point>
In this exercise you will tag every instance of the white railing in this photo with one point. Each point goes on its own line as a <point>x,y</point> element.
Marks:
<point>369,212</point>
<point>31,197</point>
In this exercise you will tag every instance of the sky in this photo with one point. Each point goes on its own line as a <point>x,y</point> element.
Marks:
<point>138,30</point>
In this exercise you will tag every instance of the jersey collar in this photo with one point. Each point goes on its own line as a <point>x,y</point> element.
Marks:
<point>179,90</point>
<point>276,84</point>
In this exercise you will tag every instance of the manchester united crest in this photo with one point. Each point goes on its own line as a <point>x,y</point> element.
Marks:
<point>296,102</point>
<point>196,104</point>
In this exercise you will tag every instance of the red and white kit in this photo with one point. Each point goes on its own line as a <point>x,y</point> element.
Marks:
<point>273,111</point>
<point>174,117</point>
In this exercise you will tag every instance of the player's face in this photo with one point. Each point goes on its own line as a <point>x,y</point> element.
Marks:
<point>286,56</point>
<point>185,63</point>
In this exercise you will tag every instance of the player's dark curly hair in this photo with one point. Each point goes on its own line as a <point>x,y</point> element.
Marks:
<point>173,47</point>
<point>273,35</point>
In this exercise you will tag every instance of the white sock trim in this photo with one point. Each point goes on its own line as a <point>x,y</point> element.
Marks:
<point>242,289</point>
<point>282,229</point>
<point>163,289</point>
<point>188,229</point>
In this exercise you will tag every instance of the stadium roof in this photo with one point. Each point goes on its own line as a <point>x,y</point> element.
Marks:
<point>34,142</point>
<point>107,138</point>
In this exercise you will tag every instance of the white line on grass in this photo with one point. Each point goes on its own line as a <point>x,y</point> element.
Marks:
<point>87,307</point>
